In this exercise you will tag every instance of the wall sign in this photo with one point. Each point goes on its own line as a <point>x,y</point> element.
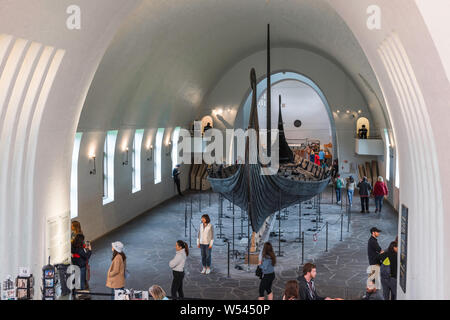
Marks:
<point>403,247</point>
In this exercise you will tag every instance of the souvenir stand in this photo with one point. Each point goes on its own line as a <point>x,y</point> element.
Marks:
<point>48,281</point>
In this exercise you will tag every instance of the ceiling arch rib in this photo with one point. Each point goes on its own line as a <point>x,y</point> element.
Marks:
<point>156,72</point>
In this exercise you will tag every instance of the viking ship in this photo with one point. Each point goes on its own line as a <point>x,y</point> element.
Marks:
<point>261,195</point>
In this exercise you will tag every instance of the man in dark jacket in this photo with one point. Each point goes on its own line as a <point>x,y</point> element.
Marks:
<point>364,193</point>
<point>373,252</point>
<point>176,178</point>
<point>306,288</point>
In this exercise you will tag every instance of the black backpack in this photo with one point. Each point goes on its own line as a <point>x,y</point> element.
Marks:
<point>259,272</point>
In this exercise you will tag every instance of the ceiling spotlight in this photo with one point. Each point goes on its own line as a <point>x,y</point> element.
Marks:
<point>338,111</point>
<point>359,111</point>
<point>348,111</point>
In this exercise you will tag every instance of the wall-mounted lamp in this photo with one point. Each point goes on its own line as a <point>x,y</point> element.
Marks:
<point>94,170</point>
<point>150,153</point>
<point>348,111</point>
<point>125,163</point>
<point>359,111</point>
<point>338,111</point>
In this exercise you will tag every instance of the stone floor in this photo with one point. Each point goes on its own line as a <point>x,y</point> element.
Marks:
<point>150,239</point>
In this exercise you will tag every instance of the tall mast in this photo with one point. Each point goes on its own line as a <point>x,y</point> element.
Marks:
<point>268,95</point>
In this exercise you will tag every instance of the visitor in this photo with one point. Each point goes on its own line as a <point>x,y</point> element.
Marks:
<point>80,256</point>
<point>307,288</point>
<point>373,253</point>
<point>364,193</point>
<point>267,262</point>
<point>177,266</point>
<point>75,229</point>
<point>372,293</point>
<point>388,272</point>
<point>291,290</point>
<point>351,184</point>
<point>115,279</point>
<point>335,169</point>
<point>205,240</point>
<point>380,191</point>
<point>321,157</point>
<point>362,132</point>
<point>207,127</point>
<point>157,293</point>
<point>339,185</point>
<point>176,178</point>
<point>317,159</point>
<point>312,157</point>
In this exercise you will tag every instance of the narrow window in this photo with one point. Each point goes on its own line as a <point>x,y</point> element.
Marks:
<point>74,177</point>
<point>175,137</point>
<point>397,171</point>
<point>108,166</point>
<point>136,160</point>
<point>157,162</point>
<point>387,158</point>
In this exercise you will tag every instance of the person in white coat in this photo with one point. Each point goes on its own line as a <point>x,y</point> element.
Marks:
<point>177,266</point>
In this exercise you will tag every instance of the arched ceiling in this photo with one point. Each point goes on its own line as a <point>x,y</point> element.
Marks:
<point>169,54</point>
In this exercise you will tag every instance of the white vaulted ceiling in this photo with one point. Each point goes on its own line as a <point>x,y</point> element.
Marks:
<point>169,54</point>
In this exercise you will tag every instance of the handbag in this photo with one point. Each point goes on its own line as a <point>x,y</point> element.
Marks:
<point>259,272</point>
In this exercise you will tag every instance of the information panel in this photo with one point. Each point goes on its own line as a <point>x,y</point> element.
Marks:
<point>403,247</point>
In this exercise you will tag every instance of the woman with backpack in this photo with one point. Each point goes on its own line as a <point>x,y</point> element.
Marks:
<point>388,271</point>
<point>266,263</point>
<point>177,266</point>
<point>339,185</point>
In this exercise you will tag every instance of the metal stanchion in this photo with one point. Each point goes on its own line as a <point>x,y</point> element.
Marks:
<point>299,238</point>
<point>220,235</point>
<point>191,204</point>
<point>303,247</point>
<point>326,239</point>
<point>185,218</point>
<point>279,226</point>
<point>190,230</point>
<point>348,219</point>
<point>233,224</point>
<point>342,221</point>
<point>346,201</point>
<point>248,241</point>
<point>241,234</point>
<point>228,251</point>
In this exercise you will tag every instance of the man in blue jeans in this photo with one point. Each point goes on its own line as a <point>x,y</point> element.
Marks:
<point>205,241</point>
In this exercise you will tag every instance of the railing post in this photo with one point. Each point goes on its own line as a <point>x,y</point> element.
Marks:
<point>342,221</point>
<point>228,251</point>
<point>190,230</point>
<point>303,247</point>
<point>185,218</point>
<point>233,223</point>
<point>348,219</point>
<point>326,239</point>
